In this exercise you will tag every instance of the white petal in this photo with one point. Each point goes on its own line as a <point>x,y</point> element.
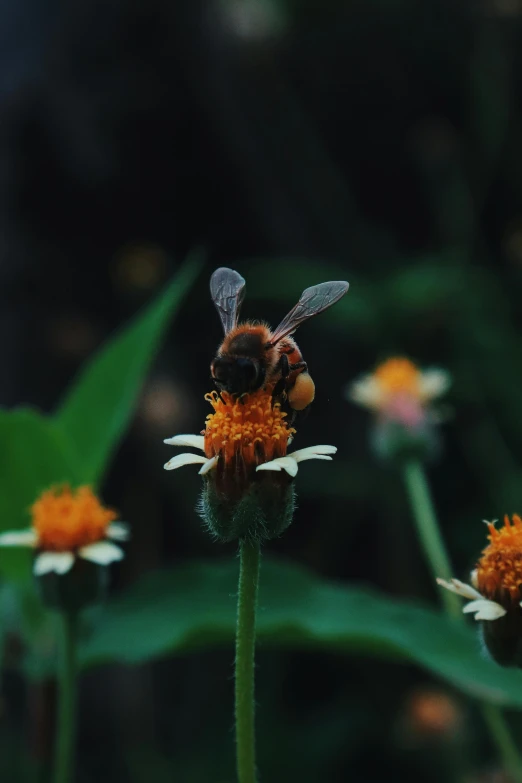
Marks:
<point>102,552</point>
<point>209,464</point>
<point>281,463</point>
<point>456,586</point>
<point>60,562</point>
<point>312,456</point>
<point>434,383</point>
<point>192,441</point>
<point>19,538</point>
<point>184,459</point>
<point>274,465</point>
<point>312,451</point>
<point>118,531</point>
<point>473,577</point>
<point>485,610</point>
<point>366,391</point>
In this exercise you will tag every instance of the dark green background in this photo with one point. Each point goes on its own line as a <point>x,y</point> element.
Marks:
<point>377,142</point>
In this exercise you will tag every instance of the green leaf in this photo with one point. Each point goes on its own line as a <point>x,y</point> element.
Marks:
<point>194,607</point>
<point>35,454</point>
<point>97,409</point>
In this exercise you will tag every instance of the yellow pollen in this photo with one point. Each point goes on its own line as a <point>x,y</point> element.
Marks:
<point>66,519</point>
<point>251,428</point>
<point>499,570</point>
<point>398,375</point>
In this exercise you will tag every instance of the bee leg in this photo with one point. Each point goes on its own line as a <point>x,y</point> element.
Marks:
<point>298,366</point>
<point>279,388</point>
<point>284,368</point>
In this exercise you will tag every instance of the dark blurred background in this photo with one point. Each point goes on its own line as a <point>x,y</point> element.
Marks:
<point>296,141</point>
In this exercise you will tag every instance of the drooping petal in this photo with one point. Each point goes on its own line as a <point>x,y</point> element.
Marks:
<point>19,538</point>
<point>184,459</point>
<point>484,609</point>
<point>287,463</point>
<point>102,552</point>
<point>118,531</point>
<point>209,464</point>
<point>434,383</point>
<point>367,392</point>
<point>192,441</point>
<point>456,586</point>
<point>310,452</point>
<point>59,562</point>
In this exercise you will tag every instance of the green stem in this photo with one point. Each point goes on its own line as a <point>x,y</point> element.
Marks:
<point>437,557</point>
<point>428,531</point>
<point>502,738</point>
<point>66,718</point>
<point>249,553</point>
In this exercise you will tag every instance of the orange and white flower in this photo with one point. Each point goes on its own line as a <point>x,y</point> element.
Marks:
<point>399,390</point>
<point>67,524</point>
<point>244,436</point>
<point>496,582</point>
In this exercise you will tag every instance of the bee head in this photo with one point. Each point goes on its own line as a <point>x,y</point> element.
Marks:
<point>236,375</point>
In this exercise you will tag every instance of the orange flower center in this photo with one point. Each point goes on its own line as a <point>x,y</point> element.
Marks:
<point>67,519</point>
<point>499,570</point>
<point>251,428</point>
<point>398,375</point>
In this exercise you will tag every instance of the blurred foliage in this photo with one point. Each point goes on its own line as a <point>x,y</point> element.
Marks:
<point>98,407</point>
<point>36,454</point>
<point>193,607</point>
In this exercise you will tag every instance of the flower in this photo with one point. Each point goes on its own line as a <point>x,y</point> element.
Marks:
<point>245,459</point>
<point>496,582</point>
<point>249,431</point>
<point>400,394</point>
<point>495,592</point>
<point>67,524</point>
<point>398,388</point>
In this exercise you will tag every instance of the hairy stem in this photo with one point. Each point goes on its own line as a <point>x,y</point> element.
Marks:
<point>245,654</point>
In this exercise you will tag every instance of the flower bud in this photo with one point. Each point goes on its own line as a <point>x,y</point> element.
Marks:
<point>247,473</point>
<point>263,510</point>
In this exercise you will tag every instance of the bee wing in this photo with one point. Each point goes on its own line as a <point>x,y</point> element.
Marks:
<point>312,302</point>
<point>227,289</point>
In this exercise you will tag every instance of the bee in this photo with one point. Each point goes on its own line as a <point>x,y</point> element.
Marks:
<point>252,356</point>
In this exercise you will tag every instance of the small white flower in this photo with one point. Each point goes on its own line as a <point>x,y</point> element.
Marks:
<point>101,552</point>
<point>481,607</point>
<point>288,463</point>
<point>398,376</point>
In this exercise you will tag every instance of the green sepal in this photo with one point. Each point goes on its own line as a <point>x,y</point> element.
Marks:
<point>391,440</point>
<point>503,638</point>
<point>261,511</point>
